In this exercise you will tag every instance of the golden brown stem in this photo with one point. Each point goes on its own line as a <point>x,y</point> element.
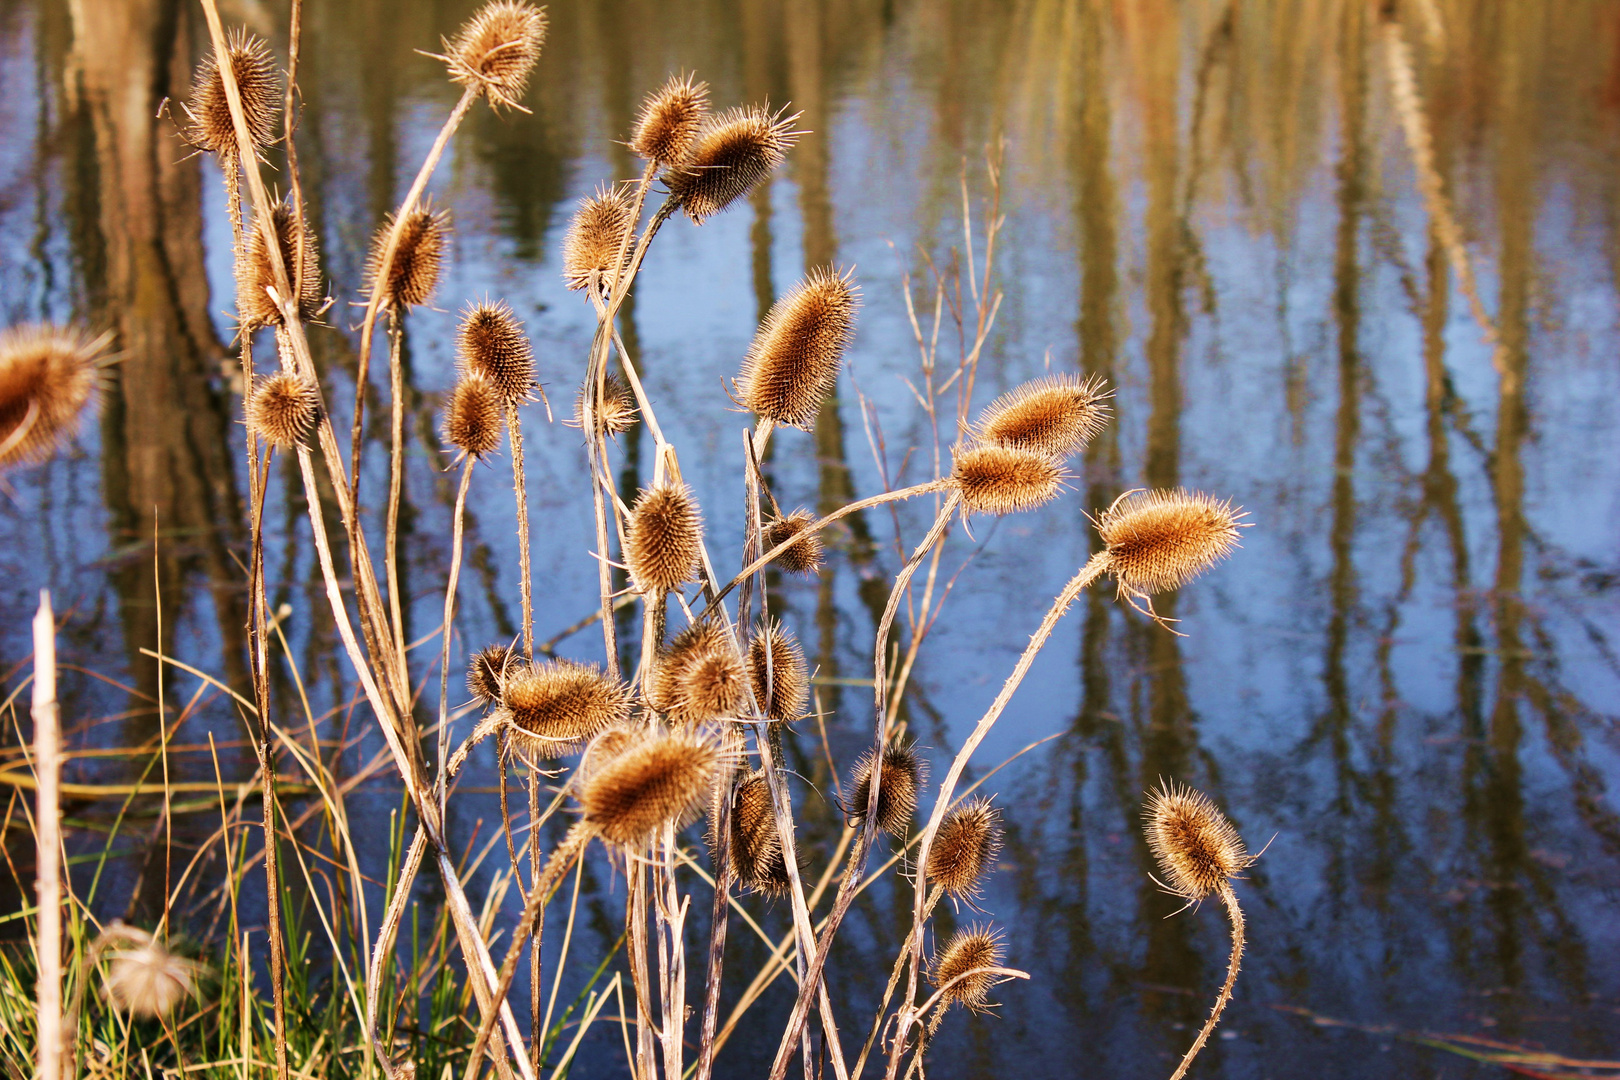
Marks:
<point>1235,913</point>
<point>396,479</point>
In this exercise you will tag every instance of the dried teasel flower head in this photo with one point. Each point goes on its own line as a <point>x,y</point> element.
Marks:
<point>487,671</point>
<point>208,113</point>
<point>664,541</point>
<point>283,410</point>
<point>699,677</point>
<point>958,968</point>
<point>553,706</point>
<point>596,235</point>
<point>792,364</point>
<point>1005,480</point>
<point>1056,415</point>
<point>731,153</point>
<point>658,778</point>
<point>777,671</point>
<point>255,276</point>
<point>48,375</point>
<point>669,121</point>
<point>756,845</point>
<point>804,556</point>
<point>495,50</point>
<point>965,848</point>
<point>490,342</point>
<point>1160,540</point>
<point>144,979</point>
<point>414,272</point>
<point>902,779</point>
<point>617,409</point>
<point>473,419</point>
<point>1197,848</point>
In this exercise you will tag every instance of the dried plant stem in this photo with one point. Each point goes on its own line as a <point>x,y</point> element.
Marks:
<point>888,991</point>
<point>1235,913</point>
<point>48,837</point>
<point>520,492</point>
<point>717,929</point>
<point>456,536</point>
<point>383,953</point>
<point>396,480</point>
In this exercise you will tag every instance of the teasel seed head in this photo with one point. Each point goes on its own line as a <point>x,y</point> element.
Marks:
<point>473,419</point>
<point>658,778</point>
<point>669,121</point>
<point>487,671</point>
<point>146,980</point>
<point>804,557</point>
<point>699,677</point>
<point>254,274</point>
<point>1005,480</point>
<point>792,364</point>
<point>284,409</point>
<point>48,375</point>
<point>496,49</point>
<point>490,341</point>
<point>1198,850</point>
<point>617,408</point>
<point>756,844</point>
<point>965,848</point>
<point>1160,540</point>
<point>903,772</point>
<point>730,154</point>
<point>414,272</point>
<point>1056,415</point>
<point>664,541</point>
<point>208,113</point>
<point>777,670</point>
<point>967,951</point>
<point>558,705</point>
<point>595,236</point>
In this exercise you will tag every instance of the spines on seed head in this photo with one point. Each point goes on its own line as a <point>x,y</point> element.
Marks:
<point>494,51</point>
<point>699,677</point>
<point>1197,848</point>
<point>1056,415</point>
<point>558,705</point>
<point>490,342</point>
<point>664,540</point>
<point>805,554</point>
<point>731,153</point>
<point>958,968</point>
<point>1160,540</point>
<point>777,670</point>
<point>209,125</point>
<point>597,235</point>
<point>757,857</point>
<point>657,779</point>
<point>487,671</point>
<point>1005,480</point>
<point>617,407</point>
<point>414,272</point>
<point>901,783</point>
<point>283,410</point>
<point>792,365</point>
<point>669,121</point>
<point>965,848</point>
<point>48,375</point>
<point>256,276</point>
<point>473,419</point>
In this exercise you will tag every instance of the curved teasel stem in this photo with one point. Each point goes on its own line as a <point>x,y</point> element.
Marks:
<point>1235,914</point>
<point>449,613</point>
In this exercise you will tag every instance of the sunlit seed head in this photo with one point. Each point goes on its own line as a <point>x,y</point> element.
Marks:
<point>792,365</point>
<point>596,236</point>
<point>805,555</point>
<point>664,541</point>
<point>414,272</point>
<point>1004,480</point>
<point>965,848</point>
<point>777,671</point>
<point>495,51</point>
<point>902,779</point>
<point>255,275</point>
<point>756,844</point>
<point>959,966</point>
<point>617,408</point>
<point>145,980</point>
<point>669,121</point>
<point>1160,540</point>
<point>283,410</point>
<point>208,113</point>
<point>699,677</point>
<point>48,375</point>
<point>487,671</point>
<point>659,778</point>
<point>558,705</point>
<point>1198,850</point>
<point>1056,415</point>
<point>473,418</point>
<point>490,342</point>
<point>731,153</point>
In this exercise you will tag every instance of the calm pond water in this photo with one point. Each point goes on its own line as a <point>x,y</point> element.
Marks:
<point>1406,682</point>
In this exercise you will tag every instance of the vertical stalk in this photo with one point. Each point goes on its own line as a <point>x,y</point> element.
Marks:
<point>396,479</point>
<point>1234,913</point>
<point>47,825</point>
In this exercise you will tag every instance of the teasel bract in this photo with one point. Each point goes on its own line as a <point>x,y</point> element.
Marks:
<point>487,671</point>
<point>957,969</point>
<point>1000,480</point>
<point>283,410</point>
<point>473,417</point>
<point>731,153</point>
<point>255,275</point>
<point>490,342</point>
<point>805,554</point>
<point>1056,415</point>
<point>669,121</point>
<point>965,847</point>
<point>553,706</point>
<point>901,782</point>
<point>664,541</point>
<point>792,364</point>
<point>699,677</point>
<point>777,672</point>
<point>48,375</point>
<point>657,779</point>
<point>495,50</point>
<point>756,851</point>
<point>1160,540</point>
<point>208,114</point>
<point>617,408</point>
<point>597,235</point>
<point>414,272</point>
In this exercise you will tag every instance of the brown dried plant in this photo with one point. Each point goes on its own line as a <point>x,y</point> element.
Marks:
<point>472,419</point>
<point>1056,415</point>
<point>490,342</point>
<point>597,235</point>
<point>731,153</point>
<point>699,677</point>
<point>792,364</point>
<point>660,779</point>
<point>494,52</point>
<point>48,376</point>
<point>257,302</point>
<point>777,672</point>
<point>669,121</point>
<point>961,971</point>
<point>284,409</point>
<point>487,671</point>
<point>553,706</point>
<point>144,979</point>
<point>208,124</point>
<point>999,480</point>
<point>413,273</point>
<point>805,555</point>
<point>965,848</point>
<point>756,846</point>
<point>664,539</point>
<point>617,410</point>
<point>901,782</point>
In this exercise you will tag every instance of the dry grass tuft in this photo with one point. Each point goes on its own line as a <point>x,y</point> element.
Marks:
<point>659,778</point>
<point>283,410</point>
<point>664,543</point>
<point>777,670</point>
<point>48,374</point>
<point>496,49</point>
<point>490,342</point>
<point>1160,540</point>
<point>699,677</point>
<point>557,705</point>
<point>792,364</point>
<point>596,235</point>
<point>1005,480</point>
<point>255,276</point>
<point>208,114</point>
<point>965,847</point>
<point>1197,848</point>
<point>145,980</point>
<point>487,671</point>
<point>472,420</point>
<point>414,272</point>
<point>967,952</point>
<point>730,154</point>
<point>1056,416</point>
<point>805,556</point>
<point>669,121</point>
<point>903,771</point>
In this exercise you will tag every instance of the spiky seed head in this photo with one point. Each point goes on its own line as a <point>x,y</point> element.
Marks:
<point>208,113</point>
<point>255,275</point>
<point>731,153</point>
<point>490,341</point>
<point>283,410</point>
<point>664,542</point>
<point>487,671</point>
<point>792,364</point>
<point>669,121</point>
<point>965,848</point>
<point>617,408</point>
<point>756,844</point>
<point>968,952</point>
<point>1005,480</point>
<point>1056,415</point>
<point>146,980</point>
<point>596,235</point>
<point>496,49</point>
<point>660,778</point>
<point>473,419</point>
<point>903,772</point>
<point>556,705</point>
<point>606,747</point>
<point>48,374</point>
<point>777,670</point>
<point>414,272</point>
<point>804,557</point>
<point>699,677</point>
<point>1160,540</point>
<point>1197,848</point>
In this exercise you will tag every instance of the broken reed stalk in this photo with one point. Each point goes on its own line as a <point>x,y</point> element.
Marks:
<point>48,838</point>
<point>1235,914</point>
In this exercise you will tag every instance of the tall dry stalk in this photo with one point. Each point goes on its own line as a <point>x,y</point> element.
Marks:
<point>48,851</point>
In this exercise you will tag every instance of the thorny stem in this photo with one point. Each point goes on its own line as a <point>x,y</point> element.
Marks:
<point>888,993</point>
<point>1235,913</point>
<point>456,526</point>
<point>384,950</point>
<point>396,476</point>
<point>514,434</point>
